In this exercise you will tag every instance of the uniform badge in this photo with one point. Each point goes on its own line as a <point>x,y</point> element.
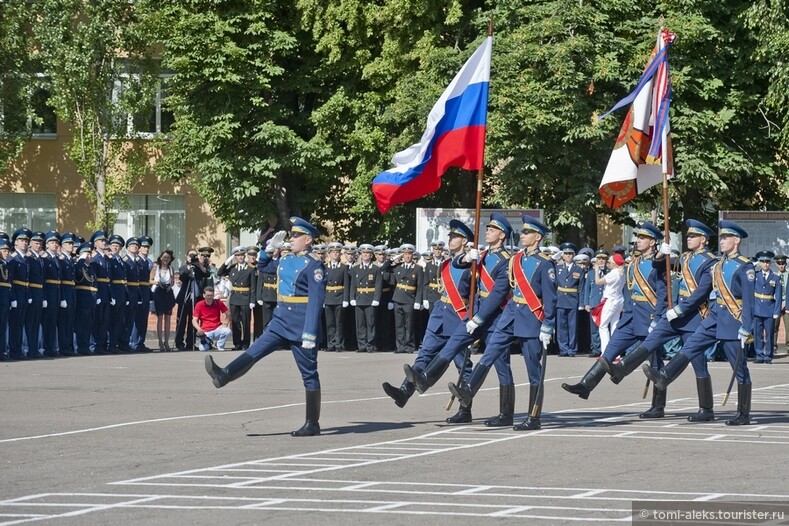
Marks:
<point>576,275</point>
<point>552,274</point>
<point>318,275</point>
<point>370,277</point>
<point>750,274</point>
<point>772,283</point>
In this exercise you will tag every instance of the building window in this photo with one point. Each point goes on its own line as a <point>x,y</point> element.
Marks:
<point>38,119</point>
<point>43,123</point>
<point>157,118</point>
<point>35,211</point>
<point>162,217</point>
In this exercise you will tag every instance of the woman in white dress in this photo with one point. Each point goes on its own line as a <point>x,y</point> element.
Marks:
<point>614,281</point>
<point>162,277</point>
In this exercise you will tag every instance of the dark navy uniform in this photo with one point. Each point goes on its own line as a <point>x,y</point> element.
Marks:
<point>240,275</point>
<point>570,283</point>
<point>384,315</point>
<point>365,293</point>
<point>337,299</point>
<point>266,297</point>
<point>768,299</point>
<point>35,286</point>
<point>68,299</point>
<point>593,295</point>
<point>5,300</point>
<point>144,267</point>
<point>18,272</point>
<point>86,291</point>
<point>119,299</point>
<point>407,280</point>
<point>101,316</point>
<point>49,314</point>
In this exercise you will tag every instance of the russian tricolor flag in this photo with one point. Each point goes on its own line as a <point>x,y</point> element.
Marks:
<point>455,136</point>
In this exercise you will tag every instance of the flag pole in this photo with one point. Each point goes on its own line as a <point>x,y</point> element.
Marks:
<point>473,285</point>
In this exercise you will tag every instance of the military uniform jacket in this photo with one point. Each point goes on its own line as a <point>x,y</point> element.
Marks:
<point>241,280</point>
<point>144,267</point>
<point>407,280</point>
<point>445,319</point>
<point>5,285</point>
<point>570,283</point>
<point>118,280</point>
<point>593,293</point>
<point>67,279</point>
<point>732,284</point>
<point>491,296</point>
<point>540,272</point>
<point>35,279</point>
<point>694,287</point>
<point>768,294</point>
<point>18,273</point>
<point>133,279</point>
<point>641,286</point>
<point>366,284</point>
<point>51,265</point>
<point>432,286</point>
<point>266,287</point>
<point>85,281</point>
<point>101,270</point>
<point>337,284</point>
<point>301,291</point>
<point>387,290</point>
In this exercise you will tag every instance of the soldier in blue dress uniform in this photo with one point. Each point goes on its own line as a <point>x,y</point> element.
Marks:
<point>570,282</point>
<point>768,299</point>
<point>144,267</point>
<point>530,314</point>
<point>133,279</point>
<point>100,267</point>
<point>36,300</point>
<point>296,322</point>
<point>593,295</point>
<point>119,297</point>
<point>49,314</point>
<point>447,315</point>
<point>5,295</point>
<point>86,291</point>
<point>18,272</point>
<point>68,299</point>
<point>730,321</point>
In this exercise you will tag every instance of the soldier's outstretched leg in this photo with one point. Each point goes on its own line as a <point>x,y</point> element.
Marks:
<point>743,416</point>
<point>531,423</point>
<point>234,370</point>
<point>669,373</point>
<point>626,365</point>
<point>587,384</point>
<point>466,390</point>
<point>705,413</point>
<point>657,410</point>
<point>311,426</point>
<point>506,407</point>
<point>463,416</point>
<point>402,394</point>
<point>424,380</point>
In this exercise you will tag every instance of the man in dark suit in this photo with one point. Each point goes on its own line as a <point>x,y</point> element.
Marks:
<point>193,274</point>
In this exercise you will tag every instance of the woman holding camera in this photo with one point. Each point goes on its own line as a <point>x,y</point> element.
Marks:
<point>163,299</point>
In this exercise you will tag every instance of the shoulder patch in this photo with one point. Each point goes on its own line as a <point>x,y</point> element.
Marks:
<point>318,275</point>
<point>750,274</point>
<point>743,259</point>
<point>544,256</point>
<point>552,274</point>
<point>315,256</point>
<point>505,254</point>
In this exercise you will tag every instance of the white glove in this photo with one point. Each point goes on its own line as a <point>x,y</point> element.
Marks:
<point>470,244</point>
<point>471,326</point>
<point>652,326</point>
<point>471,255</point>
<point>308,344</point>
<point>13,304</point>
<point>775,316</point>
<point>278,240</point>
<point>98,301</point>
<point>353,303</point>
<point>580,307</point>
<point>545,338</point>
<point>153,288</point>
<point>63,304</point>
<point>417,306</point>
<point>29,300</point>
<point>390,306</point>
<point>672,314</point>
<point>375,303</point>
<point>252,305</point>
<point>139,303</point>
<point>228,260</point>
<point>665,249</point>
<point>743,336</point>
<point>557,256</point>
<point>112,302</point>
<point>127,303</point>
<point>44,304</point>
<point>269,249</point>
<point>425,304</point>
<point>345,304</point>
<point>260,302</point>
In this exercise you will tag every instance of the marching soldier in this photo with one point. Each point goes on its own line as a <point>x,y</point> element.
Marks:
<point>5,295</point>
<point>365,294</point>
<point>768,299</point>
<point>569,277</point>
<point>337,299</point>
<point>296,322</point>
<point>86,298</point>
<point>100,267</point>
<point>49,314</point>
<point>240,275</point>
<point>730,322</point>
<point>406,277</point>
<point>68,299</point>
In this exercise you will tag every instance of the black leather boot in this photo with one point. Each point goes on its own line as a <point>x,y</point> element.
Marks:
<point>400,395</point>
<point>588,382</point>
<point>506,407</point>
<point>531,422</point>
<point>705,414</point>
<point>466,390</point>
<point>424,380</point>
<point>463,416</point>
<point>311,427</point>
<point>743,416</point>
<point>661,378</point>
<point>234,370</point>
<point>626,365</point>
<point>658,405</point>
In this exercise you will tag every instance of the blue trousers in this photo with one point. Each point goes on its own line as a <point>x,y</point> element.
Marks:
<point>432,344</point>
<point>566,331</point>
<point>499,345</point>
<point>306,359</point>
<point>664,333</point>
<point>701,340</point>
<point>461,339</point>
<point>764,334</point>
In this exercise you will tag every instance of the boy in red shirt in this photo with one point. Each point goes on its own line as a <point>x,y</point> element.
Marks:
<point>211,321</point>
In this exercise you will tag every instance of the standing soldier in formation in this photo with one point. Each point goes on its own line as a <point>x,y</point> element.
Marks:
<point>337,299</point>
<point>119,296</point>
<point>384,317</point>
<point>407,279</point>
<point>730,322</point>
<point>144,267</point>
<point>49,314</point>
<point>86,298</point>
<point>19,271</point>
<point>68,298</point>
<point>267,294</point>
<point>783,319</point>
<point>240,275</point>
<point>5,295</point>
<point>768,299</point>
<point>296,322</point>
<point>365,294</point>
<point>36,301</point>
<point>570,279</point>
<point>255,295</point>
<point>593,295</point>
<point>133,280</point>
<point>101,270</point>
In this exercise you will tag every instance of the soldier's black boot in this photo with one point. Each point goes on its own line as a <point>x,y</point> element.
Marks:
<point>531,422</point>
<point>662,377</point>
<point>311,426</point>
<point>705,414</point>
<point>743,416</point>
<point>466,390</point>
<point>658,405</point>
<point>506,407</point>
<point>587,384</point>
<point>626,365</point>
<point>463,416</point>
<point>424,380</point>
<point>400,395</point>
<point>234,370</point>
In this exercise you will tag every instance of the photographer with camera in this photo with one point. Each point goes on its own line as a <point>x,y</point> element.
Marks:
<point>193,275</point>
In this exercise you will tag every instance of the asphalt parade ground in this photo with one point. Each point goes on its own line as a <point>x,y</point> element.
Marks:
<point>147,439</point>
